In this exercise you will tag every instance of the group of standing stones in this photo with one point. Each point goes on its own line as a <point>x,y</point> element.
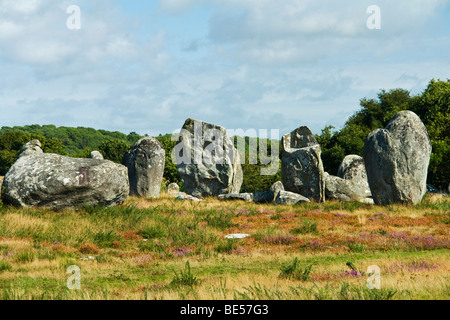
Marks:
<point>393,169</point>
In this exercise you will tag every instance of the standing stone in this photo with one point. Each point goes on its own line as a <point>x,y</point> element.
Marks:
<point>173,188</point>
<point>145,161</point>
<point>396,160</point>
<point>301,166</point>
<point>57,182</point>
<point>206,160</point>
<point>96,155</point>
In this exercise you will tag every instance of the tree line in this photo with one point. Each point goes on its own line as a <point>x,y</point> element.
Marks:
<point>432,106</point>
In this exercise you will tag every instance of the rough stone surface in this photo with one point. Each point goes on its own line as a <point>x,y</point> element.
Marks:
<point>206,160</point>
<point>340,189</point>
<point>263,196</point>
<point>184,197</point>
<point>301,166</point>
<point>351,182</point>
<point>173,188</point>
<point>96,155</point>
<point>248,197</point>
<point>32,147</point>
<point>286,197</point>
<point>56,182</point>
<point>396,160</point>
<point>145,162</point>
<point>277,187</point>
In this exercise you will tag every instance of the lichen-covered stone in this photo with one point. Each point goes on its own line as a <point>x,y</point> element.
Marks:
<point>301,165</point>
<point>145,162</point>
<point>397,159</point>
<point>206,160</point>
<point>351,182</point>
<point>289,198</point>
<point>57,182</point>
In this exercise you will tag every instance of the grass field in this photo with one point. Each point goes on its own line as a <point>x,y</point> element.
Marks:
<point>168,249</point>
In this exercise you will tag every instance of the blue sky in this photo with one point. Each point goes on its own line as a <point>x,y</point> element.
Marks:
<point>146,66</point>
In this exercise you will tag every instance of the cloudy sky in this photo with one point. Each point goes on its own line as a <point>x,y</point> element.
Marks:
<point>146,66</point>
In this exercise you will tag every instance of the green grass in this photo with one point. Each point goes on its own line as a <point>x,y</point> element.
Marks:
<point>140,253</point>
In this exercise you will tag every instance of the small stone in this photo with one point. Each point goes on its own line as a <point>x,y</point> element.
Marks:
<point>286,197</point>
<point>248,197</point>
<point>96,155</point>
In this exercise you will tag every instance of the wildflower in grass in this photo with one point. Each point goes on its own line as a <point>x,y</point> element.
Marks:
<point>264,211</point>
<point>181,252</point>
<point>414,266</point>
<point>243,211</point>
<point>340,215</point>
<point>280,239</point>
<point>143,259</point>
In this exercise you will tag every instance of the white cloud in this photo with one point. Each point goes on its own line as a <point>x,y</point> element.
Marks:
<point>264,64</point>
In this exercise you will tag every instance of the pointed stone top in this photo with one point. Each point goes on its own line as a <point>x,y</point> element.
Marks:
<point>301,137</point>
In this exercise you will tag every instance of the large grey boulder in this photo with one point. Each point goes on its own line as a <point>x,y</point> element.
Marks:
<point>396,160</point>
<point>206,160</point>
<point>301,166</point>
<point>56,182</point>
<point>145,162</point>
<point>350,184</point>
<point>289,198</point>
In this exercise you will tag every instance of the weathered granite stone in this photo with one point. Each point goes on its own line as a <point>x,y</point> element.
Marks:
<point>289,198</point>
<point>184,197</point>
<point>344,190</point>
<point>206,160</point>
<point>32,147</point>
<point>145,162</point>
<point>351,183</point>
<point>56,182</point>
<point>263,196</point>
<point>277,187</point>
<point>301,166</point>
<point>396,160</point>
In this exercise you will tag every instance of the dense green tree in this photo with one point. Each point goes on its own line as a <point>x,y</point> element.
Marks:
<point>432,106</point>
<point>12,141</point>
<point>114,149</point>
